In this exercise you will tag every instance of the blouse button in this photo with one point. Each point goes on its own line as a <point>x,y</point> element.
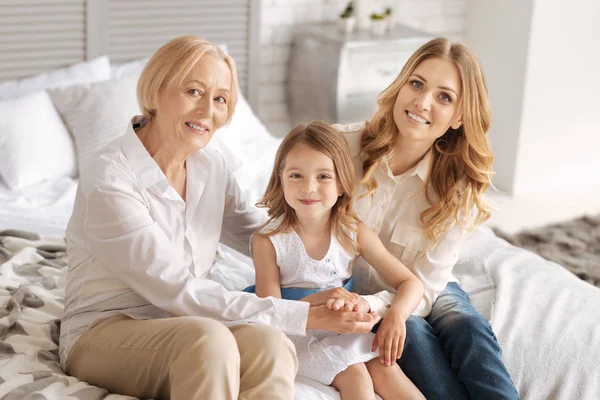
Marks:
<point>334,273</point>
<point>328,260</point>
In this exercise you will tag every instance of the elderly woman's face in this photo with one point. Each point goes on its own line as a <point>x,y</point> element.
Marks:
<point>194,111</point>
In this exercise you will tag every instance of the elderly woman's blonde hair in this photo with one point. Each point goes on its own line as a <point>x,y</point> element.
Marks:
<point>171,64</point>
<point>462,160</point>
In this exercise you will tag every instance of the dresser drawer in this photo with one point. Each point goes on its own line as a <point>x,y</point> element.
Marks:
<point>372,69</point>
<point>337,77</point>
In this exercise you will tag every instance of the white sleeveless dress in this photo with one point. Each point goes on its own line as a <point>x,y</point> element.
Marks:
<point>321,354</point>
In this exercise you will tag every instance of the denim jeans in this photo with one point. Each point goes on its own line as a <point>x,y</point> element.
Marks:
<point>453,353</point>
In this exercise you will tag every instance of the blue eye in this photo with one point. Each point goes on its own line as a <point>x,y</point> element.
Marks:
<point>445,98</point>
<point>295,175</point>
<point>324,176</point>
<point>221,100</point>
<point>416,84</point>
<point>194,92</point>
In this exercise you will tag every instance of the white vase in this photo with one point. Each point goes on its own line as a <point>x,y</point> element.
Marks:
<point>363,10</point>
<point>346,25</point>
<point>378,27</point>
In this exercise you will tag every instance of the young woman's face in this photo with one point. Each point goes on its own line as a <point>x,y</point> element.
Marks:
<point>310,185</point>
<point>427,105</point>
<point>194,111</point>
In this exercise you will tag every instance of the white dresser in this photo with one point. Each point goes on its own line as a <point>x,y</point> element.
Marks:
<point>336,77</point>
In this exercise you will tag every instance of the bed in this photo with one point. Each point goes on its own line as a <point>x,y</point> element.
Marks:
<point>54,114</point>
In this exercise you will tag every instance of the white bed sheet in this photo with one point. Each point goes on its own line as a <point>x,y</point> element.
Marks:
<point>44,208</point>
<point>547,320</point>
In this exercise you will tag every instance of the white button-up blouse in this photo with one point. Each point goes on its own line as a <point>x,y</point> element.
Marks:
<point>136,248</point>
<point>394,214</point>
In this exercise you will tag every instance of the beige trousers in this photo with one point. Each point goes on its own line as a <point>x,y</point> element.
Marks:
<point>186,358</point>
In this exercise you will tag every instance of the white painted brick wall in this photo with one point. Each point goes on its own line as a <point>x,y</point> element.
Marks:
<point>278,18</point>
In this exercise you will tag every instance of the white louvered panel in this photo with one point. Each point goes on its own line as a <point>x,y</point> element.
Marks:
<point>137,28</point>
<point>37,36</point>
<point>207,5</point>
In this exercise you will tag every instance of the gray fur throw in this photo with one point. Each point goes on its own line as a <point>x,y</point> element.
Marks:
<point>573,244</point>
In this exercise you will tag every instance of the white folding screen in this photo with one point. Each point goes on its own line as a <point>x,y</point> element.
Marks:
<point>136,28</point>
<point>40,35</point>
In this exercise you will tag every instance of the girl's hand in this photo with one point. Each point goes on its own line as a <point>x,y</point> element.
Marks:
<point>390,338</point>
<point>356,303</point>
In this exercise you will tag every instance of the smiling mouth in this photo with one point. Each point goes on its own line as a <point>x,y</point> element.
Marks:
<point>309,202</point>
<point>197,128</point>
<point>416,118</point>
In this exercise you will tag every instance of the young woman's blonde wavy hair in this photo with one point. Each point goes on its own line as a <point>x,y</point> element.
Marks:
<point>172,62</point>
<point>326,139</point>
<point>462,159</point>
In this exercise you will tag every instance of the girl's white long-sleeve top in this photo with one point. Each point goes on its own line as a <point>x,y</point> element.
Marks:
<point>394,214</point>
<point>136,248</point>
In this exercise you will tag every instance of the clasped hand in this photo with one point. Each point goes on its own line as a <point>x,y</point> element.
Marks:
<point>391,333</point>
<point>338,299</point>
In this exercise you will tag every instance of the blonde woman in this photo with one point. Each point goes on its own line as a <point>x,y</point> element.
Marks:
<point>309,245</point>
<point>142,318</point>
<point>424,163</point>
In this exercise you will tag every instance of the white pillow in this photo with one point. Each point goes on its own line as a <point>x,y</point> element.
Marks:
<point>97,113</point>
<point>94,70</point>
<point>245,135</point>
<point>251,149</point>
<point>133,68</point>
<point>34,143</point>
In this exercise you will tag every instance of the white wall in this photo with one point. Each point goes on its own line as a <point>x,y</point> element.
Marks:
<point>498,33</point>
<point>541,59</point>
<point>560,131</point>
<point>279,17</point>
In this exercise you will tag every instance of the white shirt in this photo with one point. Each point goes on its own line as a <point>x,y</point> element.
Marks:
<point>394,214</point>
<point>136,248</point>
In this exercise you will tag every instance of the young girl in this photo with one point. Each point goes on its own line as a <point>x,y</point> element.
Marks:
<point>424,163</point>
<point>310,242</point>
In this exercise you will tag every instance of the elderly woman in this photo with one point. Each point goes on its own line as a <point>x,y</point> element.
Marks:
<point>142,317</point>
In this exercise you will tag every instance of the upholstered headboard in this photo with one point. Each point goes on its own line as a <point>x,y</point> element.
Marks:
<point>41,35</point>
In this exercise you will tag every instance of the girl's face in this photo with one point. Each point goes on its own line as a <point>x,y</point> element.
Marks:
<point>194,111</point>
<point>310,185</point>
<point>427,105</point>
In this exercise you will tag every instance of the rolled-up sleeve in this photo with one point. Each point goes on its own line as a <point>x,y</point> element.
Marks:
<point>125,239</point>
<point>380,302</point>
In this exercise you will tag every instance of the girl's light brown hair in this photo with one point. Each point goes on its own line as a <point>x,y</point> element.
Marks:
<point>462,160</point>
<point>171,64</point>
<point>326,139</point>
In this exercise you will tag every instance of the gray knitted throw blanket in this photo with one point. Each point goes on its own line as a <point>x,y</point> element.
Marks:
<point>573,244</point>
